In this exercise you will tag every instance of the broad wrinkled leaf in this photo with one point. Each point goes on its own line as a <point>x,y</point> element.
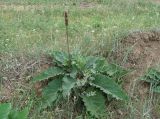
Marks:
<point>108,86</point>
<point>74,72</point>
<point>95,62</point>
<point>50,93</point>
<point>60,57</point>
<point>94,102</point>
<point>90,61</point>
<point>5,110</point>
<point>67,84</point>
<point>19,114</point>
<point>51,72</point>
<point>79,62</point>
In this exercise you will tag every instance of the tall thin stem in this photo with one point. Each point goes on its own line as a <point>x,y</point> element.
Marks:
<point>67,36</point>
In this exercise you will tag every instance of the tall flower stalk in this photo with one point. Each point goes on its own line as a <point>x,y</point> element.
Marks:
<point>67,36</point>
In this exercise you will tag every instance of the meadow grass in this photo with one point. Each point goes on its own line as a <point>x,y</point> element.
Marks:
<point>35,27</point>
<point>92,29</point>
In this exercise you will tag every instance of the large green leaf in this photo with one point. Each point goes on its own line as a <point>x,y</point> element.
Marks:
<point>51,72</point>
<point>90,61</point>
<point>5,110</point>
<point>50,93</point>
<point>67,85</point>
<point>95,62</point>
<point>79,62</point>
<point>60,57</point>
<point>19,114</point>
<point>108,86</point>
<point>94,102</point>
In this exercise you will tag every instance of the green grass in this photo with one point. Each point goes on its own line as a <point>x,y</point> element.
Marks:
<point>92,30</point>
<point>30,1</point>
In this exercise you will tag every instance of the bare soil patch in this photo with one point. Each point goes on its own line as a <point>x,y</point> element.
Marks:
<point>138,52</point>
<point>16,72</point>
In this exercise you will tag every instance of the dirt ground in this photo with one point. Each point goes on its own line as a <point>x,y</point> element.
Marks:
<point>138,51</point>
<point>17,72</point>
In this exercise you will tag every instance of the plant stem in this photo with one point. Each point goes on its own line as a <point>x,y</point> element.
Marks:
<point>67,38</point>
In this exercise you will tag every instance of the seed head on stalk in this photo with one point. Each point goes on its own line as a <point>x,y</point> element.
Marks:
<point>66,18</point>
<point>66,24</point>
